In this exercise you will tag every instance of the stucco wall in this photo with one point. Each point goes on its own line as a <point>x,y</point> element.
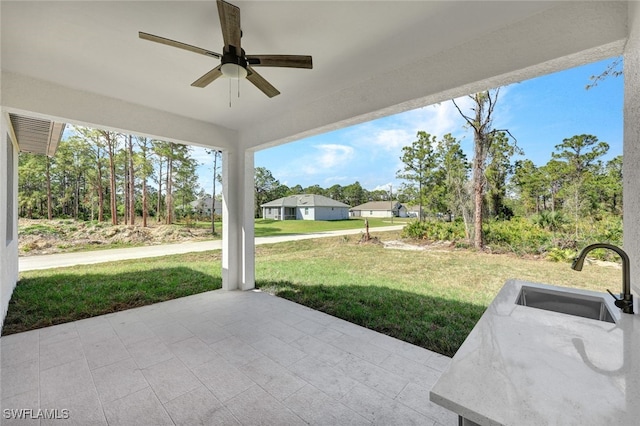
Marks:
<point>631,166</point>
<point>272,213</point>
<point>331,213</point>
<point>8,243</point>
<point>375,213</point>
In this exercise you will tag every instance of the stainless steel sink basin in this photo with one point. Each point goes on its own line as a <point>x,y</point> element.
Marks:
<point>565,302</point>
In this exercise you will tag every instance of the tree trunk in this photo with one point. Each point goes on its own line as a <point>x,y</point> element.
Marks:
<point>132,186</point>
<point>100,192</point>
<point>76,196</point>
<point>112,178</point>
<point>169,190</point>
<point>478,186</point>
<point>213,196</point>
<point>159,204</point>
<point>125,189</point>
<point>49,195</point>
<point>144,203</point>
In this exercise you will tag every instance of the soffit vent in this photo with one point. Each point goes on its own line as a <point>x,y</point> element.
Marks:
<point>36,135</point>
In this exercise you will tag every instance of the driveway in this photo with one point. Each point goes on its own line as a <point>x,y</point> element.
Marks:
<point>60,260</point>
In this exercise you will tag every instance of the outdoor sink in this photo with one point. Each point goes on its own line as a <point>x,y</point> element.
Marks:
<point>565,302</point>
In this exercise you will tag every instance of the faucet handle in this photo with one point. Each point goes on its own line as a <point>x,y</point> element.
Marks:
<point>625,305</point>
<point>618,301</point>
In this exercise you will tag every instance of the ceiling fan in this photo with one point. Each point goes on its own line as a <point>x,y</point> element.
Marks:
<point>235,63</point>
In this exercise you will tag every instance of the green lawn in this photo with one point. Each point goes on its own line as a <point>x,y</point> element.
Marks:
<point>269,227</point>
<point>430,298</point>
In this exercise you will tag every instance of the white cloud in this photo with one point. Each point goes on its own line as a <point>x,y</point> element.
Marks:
<point>384,187</point>
<point>328,156</point>
<point>392,139</point>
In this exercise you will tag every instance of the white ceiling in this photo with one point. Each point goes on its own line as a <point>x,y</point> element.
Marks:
<point>82,61</point>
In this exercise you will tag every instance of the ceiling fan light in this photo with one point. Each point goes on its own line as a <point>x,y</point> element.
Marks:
<point>231,70</point>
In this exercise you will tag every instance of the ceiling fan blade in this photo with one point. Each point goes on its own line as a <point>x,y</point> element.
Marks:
<point>230,22</point>
<point>178,44</point>
<point>261,83</point>
<point>206,79</point>
<point>289,61</point>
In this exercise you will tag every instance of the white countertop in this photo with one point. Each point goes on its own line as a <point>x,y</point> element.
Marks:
<point>527,366</point>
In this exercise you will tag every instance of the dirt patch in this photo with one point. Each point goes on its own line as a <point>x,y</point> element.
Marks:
<point>418,245</point>
<point>37,237</point>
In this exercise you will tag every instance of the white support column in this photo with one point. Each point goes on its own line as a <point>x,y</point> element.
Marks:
<point>631,152</point>
<point>248,231</point>
<point>238,243</point>
<point>8,217</point>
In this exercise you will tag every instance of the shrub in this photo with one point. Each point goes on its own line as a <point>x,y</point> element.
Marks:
<point>518,235</point>
<point>556,254</point>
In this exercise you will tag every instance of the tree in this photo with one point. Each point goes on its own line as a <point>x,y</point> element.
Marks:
<point>265,185</point>
<point>185,179</point>
<point>132,185</point>
<point>96,155</point>
<point>216,155</point>
<point>354,194</point>
<point>454,177</point>
<point>532,186</point>
<point>481,122</point>
<point>336,192</point>
<point>419,166</point>
<point>161,150</point>
<point>314,189</point>
<point>146,169</point>
<point>612,70</point>
<point>578,154</point>
<point>111,143</point>
<point>612,184</point>
<point>31,170</point>
<point>498,171</point>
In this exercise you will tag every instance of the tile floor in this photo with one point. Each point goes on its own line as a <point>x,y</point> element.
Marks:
<point>217,358</point>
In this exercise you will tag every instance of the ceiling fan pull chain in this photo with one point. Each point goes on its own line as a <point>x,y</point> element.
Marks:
<point>229,92</point>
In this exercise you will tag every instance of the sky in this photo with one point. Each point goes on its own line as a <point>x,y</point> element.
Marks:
<point>539,113</point>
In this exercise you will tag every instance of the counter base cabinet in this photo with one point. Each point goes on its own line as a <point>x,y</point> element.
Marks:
<point>466,422</point>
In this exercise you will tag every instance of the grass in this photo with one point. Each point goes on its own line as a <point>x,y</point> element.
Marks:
<point>49,297</point>
<point>269,227</point>
<point>429,298</point>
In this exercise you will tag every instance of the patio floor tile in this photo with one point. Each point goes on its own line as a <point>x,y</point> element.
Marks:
<point>19,348</point>
<point>149,352</point>
<point>255,406</point>
<point>105,352</point>
<point>278,381</point>
<point>118,380</point>
<point>317,408</point>
<point>199,407</point>
<point>223,379</point>
<point>19,378</point>
<point>417,397</point>
<point>139,408</point>
<point>236,358</point>
<point>65,380</point>
<point>193,352</point>
<point>382,410</point>
<point>170,379</point>
<point>58,353</point>
<point>82,410</point>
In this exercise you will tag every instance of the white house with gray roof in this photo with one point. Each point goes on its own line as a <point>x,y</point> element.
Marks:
<point>305,207</point>
<point>379,209</point>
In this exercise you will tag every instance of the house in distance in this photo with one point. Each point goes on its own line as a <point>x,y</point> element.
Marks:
<point>305,207</point>
<point>379,209</point>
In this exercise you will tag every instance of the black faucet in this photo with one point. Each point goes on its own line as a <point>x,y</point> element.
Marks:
<point>625,301</point>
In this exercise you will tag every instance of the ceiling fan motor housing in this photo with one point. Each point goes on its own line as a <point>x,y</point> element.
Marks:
<point>230,56</point>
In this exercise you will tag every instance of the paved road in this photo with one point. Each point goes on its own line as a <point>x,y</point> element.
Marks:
<point>59,260</point>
